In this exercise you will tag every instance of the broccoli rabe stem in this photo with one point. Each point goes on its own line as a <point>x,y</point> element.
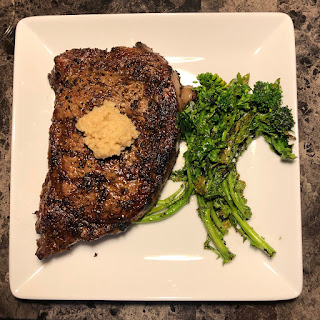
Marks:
<point>165,203</point>
<point>173,206</point>
<point>238,201</point>
<point>216,220</point>
<point>221,249</point>
<point>255,239</point>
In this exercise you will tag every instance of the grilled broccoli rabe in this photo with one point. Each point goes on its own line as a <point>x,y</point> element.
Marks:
<point>218,127</point>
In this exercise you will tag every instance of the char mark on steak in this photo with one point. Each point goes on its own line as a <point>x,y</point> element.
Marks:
<point>84,198</point>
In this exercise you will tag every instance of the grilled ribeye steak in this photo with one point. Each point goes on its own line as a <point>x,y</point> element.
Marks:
<point>84,198</point>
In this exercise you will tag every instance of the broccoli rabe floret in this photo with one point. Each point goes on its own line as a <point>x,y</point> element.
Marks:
<point>266,96</point>
<point>272,120</point>
<point>281,119</point>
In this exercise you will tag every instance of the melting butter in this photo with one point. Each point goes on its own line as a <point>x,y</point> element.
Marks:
<point>107,131</point>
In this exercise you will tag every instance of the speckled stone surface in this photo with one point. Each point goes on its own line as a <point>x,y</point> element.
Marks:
<point>306,18</point>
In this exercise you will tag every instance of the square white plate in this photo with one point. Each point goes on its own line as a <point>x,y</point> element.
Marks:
<point>164,261</point>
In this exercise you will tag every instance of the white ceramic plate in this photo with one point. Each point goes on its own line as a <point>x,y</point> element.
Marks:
<point>164,261</point>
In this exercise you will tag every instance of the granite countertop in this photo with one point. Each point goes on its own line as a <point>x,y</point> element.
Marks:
<point>306,17</point>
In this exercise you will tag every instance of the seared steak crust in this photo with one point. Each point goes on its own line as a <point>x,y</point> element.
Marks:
<point>84,198</point>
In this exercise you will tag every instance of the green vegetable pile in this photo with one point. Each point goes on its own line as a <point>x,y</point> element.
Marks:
<point>218,127</point>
